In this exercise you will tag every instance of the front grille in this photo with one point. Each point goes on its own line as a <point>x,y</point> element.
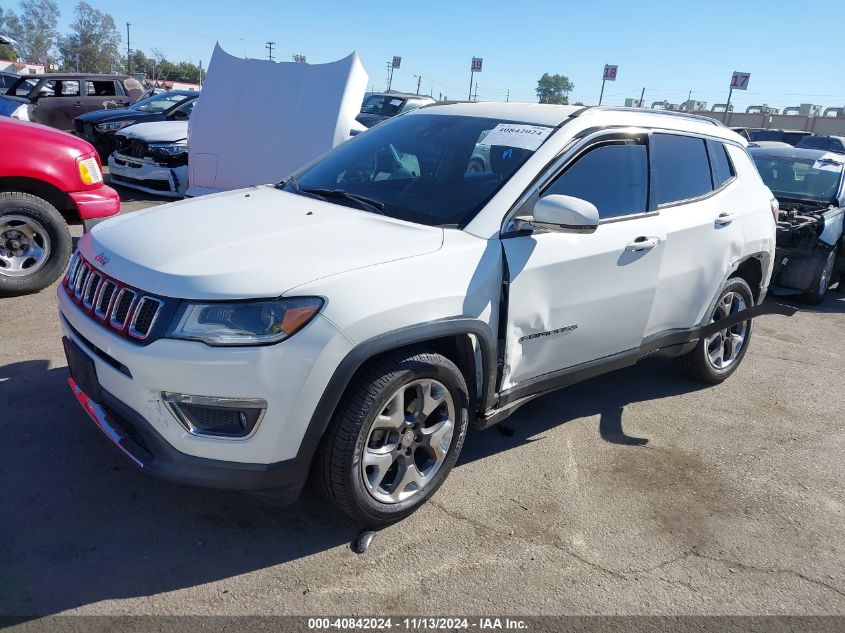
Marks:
<point>121,308</point>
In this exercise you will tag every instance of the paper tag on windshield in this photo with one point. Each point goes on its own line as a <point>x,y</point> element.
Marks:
<point>520,136</point>
<point>396,102</point>
<point>829,162</point>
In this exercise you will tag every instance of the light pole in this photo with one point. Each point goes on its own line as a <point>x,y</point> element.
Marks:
<point>128,53</point>
<point>419,81</point>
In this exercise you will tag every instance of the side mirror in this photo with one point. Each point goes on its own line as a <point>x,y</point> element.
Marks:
<point>180,114</point>
<point>565,214</point>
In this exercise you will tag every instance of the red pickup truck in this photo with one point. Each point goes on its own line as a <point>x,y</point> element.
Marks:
<point>46,177</point>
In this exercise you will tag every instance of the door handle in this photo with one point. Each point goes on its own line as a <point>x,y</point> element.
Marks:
<point>725,219</point>
<point>642,243</point>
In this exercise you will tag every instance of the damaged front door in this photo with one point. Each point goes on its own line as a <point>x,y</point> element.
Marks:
<point>575,298</point>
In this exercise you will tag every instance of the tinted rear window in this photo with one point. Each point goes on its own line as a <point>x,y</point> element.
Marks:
<point>682,168</point>
<point>815,142</point>
<point>720,163</point>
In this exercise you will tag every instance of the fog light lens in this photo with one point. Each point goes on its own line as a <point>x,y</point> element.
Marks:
<point>216,417</point>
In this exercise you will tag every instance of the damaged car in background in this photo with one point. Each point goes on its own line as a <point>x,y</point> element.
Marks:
<point>810,188</point>
<point>152,157</point>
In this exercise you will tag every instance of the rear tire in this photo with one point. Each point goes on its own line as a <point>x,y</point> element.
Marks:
<point>716,357</point>
<point>395,437</point>
<point>35,243</point>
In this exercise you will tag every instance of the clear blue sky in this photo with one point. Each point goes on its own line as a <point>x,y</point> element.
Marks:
<point>667,47</point>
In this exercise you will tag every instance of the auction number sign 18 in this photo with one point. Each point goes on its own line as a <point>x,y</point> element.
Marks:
<point>739,81</point>
<point>610,72</point>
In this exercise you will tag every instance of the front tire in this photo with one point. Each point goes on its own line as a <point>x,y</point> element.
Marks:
<point>35,243</point>
<point>716,357</point>
<point>825,263</point>
<point>395,437</point>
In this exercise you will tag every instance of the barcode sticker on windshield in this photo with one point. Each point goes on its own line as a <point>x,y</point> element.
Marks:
<point>519,136</point>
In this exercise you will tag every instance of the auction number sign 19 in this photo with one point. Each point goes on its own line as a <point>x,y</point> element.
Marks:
<point>477,63</point>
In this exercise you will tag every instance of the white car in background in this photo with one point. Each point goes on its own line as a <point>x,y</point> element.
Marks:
<point>352,321</point>
<point>152,157</point>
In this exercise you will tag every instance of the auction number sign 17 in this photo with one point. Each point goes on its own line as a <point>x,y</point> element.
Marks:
<point>739,81</point>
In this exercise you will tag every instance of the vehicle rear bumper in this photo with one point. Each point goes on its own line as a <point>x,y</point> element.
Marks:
<point>101,202</point>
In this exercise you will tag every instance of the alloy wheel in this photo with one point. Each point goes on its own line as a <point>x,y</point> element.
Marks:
<point>724,347</point>
<point>408,441</point>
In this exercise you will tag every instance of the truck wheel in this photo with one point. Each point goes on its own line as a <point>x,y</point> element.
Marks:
<point>825,262</point>
<point>395,436</point>
<point>35,243</point>
<point>716,357</point>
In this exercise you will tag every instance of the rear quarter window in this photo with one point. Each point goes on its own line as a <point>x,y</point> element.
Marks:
<point>681,168</point>
<point>719,163</point>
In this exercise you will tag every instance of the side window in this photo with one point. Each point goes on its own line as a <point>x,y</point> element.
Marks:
<point>719,163</point>
<point>613,177</point>
<point>100,88</point>
<point>681,166</point>
<point>61,88</point>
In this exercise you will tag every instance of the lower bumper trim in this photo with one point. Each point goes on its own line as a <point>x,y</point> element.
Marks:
<point>137,440</point>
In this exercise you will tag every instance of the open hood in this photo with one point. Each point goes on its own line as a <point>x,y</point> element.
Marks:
<point>291,113</point>
<point>252,243</point>
<point>157,131</point>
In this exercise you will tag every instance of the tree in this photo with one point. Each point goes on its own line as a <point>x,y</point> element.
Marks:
<point>10,26</point>
<point>35,29</point>
<point>93,43</point>
<point>554,89</point>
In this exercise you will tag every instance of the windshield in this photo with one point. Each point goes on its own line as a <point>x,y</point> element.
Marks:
<point>21,88</point>
<point>426,168</point>
<point>160,102</point>
<point>802,178</point>
<point>385,105</point>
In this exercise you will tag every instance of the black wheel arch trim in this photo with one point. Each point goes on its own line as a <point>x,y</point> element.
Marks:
<point>396,339</point>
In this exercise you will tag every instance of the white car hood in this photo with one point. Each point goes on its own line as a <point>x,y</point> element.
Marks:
<point>256,242</point>
<point>157,131</point>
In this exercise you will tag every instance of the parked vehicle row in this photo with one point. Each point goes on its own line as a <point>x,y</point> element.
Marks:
<point>590,239</point>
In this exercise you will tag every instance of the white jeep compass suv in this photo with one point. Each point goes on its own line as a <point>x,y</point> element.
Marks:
<point>353,320</point>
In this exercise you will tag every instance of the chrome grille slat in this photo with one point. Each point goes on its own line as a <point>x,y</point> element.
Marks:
<point>91,288</point>
<point>115,321</point>
<point>72,268</point>
<point>81,276</point>
<point>105,296</point>
<point>139,310</point>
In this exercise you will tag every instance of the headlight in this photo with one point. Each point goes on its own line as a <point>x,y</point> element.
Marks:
<point>89,171</point>
<point>21,112</point>
<point>113,126</point>
<point>244,322</point>
<point>168,149</point>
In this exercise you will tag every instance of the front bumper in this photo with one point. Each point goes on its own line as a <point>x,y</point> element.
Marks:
<point>101,202</point>
<point>145,175</point>
<point>131,378</point>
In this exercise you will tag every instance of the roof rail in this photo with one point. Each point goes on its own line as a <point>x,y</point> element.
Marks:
<point>675,113</point>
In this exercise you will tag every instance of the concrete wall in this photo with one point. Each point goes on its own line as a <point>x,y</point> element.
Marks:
<point>816,124</point>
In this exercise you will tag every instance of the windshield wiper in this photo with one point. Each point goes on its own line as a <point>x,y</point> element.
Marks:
<point>367,204</point>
